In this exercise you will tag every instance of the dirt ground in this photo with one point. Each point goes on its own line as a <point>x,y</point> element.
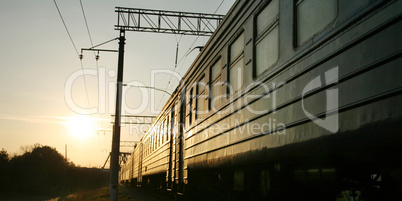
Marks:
<point>101,194</point>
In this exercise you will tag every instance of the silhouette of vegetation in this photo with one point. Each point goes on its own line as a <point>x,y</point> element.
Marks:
<point>4,168</point>
<point>41,170</point>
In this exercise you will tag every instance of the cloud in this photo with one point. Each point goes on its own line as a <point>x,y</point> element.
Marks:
<point>31,119</point>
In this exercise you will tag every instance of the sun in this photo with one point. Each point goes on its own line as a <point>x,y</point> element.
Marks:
<point>81,127</point>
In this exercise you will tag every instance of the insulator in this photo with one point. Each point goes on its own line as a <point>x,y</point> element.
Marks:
<point>81,56</point>
<point>97,56</point>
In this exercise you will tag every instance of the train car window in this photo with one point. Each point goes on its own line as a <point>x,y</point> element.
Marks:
<point>176,125</point>
<point>236,63</point>
<point>149,146</point>
<point>216,84</point>
<point>156,134</point>
<point>267,17</point>
<point>160,134</point>
<point>201,91</point>
<point>216,70</point>
<point>236,75</point>
<point>194,103</point>
<point>267,32</point>
<point>163,132</point>
<point>267,51</point>
<point>146,148</point>
<point>312,16</point>
<point>190,107</point>
<point>153,142</point>
<point>237,47</point>
<point>170,130</point>
<point>166,129</point>
<point>157,137</point>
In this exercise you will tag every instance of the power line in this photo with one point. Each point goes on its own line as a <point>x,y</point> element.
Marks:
<point>147,87</point>
<point>97,63</point>
<point>85,83</point>
<point>185,55</point>
<point>65,26</point>
<point>96,55</point>
<point>190,49</point>
<point>86,23</point>
<point>76,50</point>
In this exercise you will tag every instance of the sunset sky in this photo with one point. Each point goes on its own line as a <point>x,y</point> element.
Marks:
<point>42,92</point>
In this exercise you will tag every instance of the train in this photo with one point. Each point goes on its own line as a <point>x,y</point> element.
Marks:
<point>288,100</point>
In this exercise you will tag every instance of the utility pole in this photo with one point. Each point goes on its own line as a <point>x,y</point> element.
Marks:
<point>114,159</point>
<point>65,150</point>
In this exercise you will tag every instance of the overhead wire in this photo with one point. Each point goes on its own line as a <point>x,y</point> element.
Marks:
<point>190,48</point>
<point>186,54</point>
<point>85,83</point>
<point>147,87</point>
<point>90,39</point>
<point>175,66</point>
<point>65,26</point>
<point>76,50</point>
<point>82,64</point>
<point>92,46</point>
<point>86,23</point>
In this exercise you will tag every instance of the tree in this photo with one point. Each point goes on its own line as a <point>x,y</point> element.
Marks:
<point>4,157</point>
<point>42,170</point>
<point>4,167</point>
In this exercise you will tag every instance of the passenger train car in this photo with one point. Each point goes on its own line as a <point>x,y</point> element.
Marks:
<point>288,100</point>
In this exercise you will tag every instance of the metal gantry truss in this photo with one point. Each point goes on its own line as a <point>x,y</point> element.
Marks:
<point>162,21</point>
<point>130,144</point>
<point>123,156</point>
<point>136,119</point>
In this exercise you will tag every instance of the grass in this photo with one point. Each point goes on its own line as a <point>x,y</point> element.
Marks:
<point>101,194</point>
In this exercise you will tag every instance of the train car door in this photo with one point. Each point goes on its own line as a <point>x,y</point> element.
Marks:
<point>170,139</point>
<point>179,145</point>
<point>171,123</point>
<point>175,166</point>
<point>139,178</point>
<point>131,174</point>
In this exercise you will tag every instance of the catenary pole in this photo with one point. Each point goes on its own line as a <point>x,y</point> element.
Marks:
<point>114,160</point>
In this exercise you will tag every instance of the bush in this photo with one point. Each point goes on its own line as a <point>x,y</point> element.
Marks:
<point>43,171</point>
